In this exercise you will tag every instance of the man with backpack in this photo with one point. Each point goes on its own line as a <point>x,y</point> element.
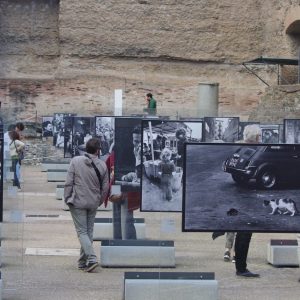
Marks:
<point>85,190</point>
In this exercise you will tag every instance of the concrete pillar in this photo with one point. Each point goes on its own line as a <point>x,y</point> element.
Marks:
<point>207,100</point>
<point>118,107</point>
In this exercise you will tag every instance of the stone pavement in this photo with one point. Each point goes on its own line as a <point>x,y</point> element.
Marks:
<point>46,277</point>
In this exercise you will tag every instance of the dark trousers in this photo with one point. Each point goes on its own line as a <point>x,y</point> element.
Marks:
<point>14,169</point>
<point>242,242</point>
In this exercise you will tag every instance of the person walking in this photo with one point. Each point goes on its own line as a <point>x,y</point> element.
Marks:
<point>252,134</point>
<point>85,190</point>
<point>15,149</point>
<point>151,104</point>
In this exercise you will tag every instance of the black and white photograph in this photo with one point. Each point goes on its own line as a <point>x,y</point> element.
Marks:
<point>68,137</point>
<point>83,130</point>
<point>242,126</point>
<point>105,130</point>
<point>58,130</point>
<point>281,134</point>
<point>270,134</point>
<point>241,187</point>
<point>218,130</point>
<point>127,147</point>
<point>292,131</point>
<point>47,127</point>
<point>163,157</point>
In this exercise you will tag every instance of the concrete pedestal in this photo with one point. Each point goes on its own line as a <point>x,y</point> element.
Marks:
<point>60,192</point>
<point>170,285</point>
<point>283,253</point>
<point>56,175</point>
<point>103,229</point>
<point>137,253</point>
<point>46,166</point>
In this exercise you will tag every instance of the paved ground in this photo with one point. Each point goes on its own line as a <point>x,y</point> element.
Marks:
<point>33,277</point>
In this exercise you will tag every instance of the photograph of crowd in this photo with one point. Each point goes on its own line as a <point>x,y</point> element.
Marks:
<point>83,130</point>
<point>47,128</point>
<point>105,130</point>
<point>68,137</point>
<point>292,131</point>
<point>221,130</point>
<point>163,157</point>
<point>270,134</point>
<point>241,187</point>
<point>127,147</point>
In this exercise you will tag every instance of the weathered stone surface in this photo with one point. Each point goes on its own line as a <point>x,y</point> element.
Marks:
<point>70,55</point>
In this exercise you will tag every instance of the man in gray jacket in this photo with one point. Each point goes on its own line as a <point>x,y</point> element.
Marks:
<point>85,189</point>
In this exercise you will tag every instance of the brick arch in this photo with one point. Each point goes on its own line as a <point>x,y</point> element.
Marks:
<point>292,21</point>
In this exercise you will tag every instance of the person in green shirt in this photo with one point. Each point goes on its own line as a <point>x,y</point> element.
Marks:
<point>151,102</point>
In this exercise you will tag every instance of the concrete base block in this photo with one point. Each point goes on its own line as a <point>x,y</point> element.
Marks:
<point>103,229</point>
<point>46,166</point>
<point>137,253</point>
<point>165,286</point>
<point>56,175</point>
<point>59,192</point>
<point>283,253</point>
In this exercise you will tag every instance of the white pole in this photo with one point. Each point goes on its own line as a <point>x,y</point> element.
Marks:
<point>118,103</point>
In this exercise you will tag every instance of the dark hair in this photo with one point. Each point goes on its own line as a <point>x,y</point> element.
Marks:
<point>149,95</point>
<point>20,126</point>
<point>93,145</point>
<point>14,135</point>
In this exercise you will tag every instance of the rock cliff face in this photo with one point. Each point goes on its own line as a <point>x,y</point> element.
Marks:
<point>70,55</point>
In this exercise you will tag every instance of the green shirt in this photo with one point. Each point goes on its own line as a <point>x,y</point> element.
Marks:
<point>152,103</point>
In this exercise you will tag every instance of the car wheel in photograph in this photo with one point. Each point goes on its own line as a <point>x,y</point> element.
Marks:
<point>240,179</point>
<point>267,179</point>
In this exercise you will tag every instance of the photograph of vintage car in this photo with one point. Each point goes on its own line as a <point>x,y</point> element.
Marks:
<point>270,165</point>
<point>241,187</point>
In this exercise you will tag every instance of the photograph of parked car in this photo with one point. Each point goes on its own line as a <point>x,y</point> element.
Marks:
<point>292,131</point>
<point>241,187</point>
<point>220,130</point>
<point>163,157</point>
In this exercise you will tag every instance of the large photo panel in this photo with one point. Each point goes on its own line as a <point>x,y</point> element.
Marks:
<point>292,131</point>
<point>163,157</point>
<point>241,187</point>
<point>127,147</point>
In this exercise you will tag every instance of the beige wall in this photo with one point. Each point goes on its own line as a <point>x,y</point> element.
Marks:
<point>70,55</point>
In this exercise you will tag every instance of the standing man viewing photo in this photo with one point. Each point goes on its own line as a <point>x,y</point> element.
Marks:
<point>85,190</point>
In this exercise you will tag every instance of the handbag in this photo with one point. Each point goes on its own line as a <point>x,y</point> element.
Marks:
<point>19,152</point>
<point>115,198</point>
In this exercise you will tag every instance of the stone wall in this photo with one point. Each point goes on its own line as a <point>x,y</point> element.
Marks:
<point>278,103</point>
<point>70,55</point>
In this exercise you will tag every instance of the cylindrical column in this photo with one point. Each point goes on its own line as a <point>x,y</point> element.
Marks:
<point>207,100</point>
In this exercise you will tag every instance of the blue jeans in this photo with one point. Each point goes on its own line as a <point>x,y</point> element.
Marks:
<point>84,224</point>
<point>120,210</point>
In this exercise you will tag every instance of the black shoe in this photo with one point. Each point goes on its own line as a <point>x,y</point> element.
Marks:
<point>248,274</point>
<point>91,266</point>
